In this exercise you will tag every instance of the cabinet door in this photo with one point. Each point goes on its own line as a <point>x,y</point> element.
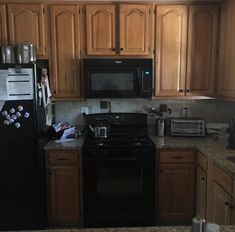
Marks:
<point>201,192</point>
<point>221,203</point>
<point>134,29</point>
<point>65,51</point>
<point>26,24</point>
<point>3,25</point>
<point>63,195</point>
<point>176,193</point>
<point>101,29</point>
<point>226,83</point>
<point>170,60</point>
<point>202,42</point>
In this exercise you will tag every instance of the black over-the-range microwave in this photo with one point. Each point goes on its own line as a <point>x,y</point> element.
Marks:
<point>118,78</point>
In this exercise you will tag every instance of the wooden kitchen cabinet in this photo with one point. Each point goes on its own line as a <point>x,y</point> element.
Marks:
<point>226,80</point>
<point>3,25</point>
<point>221,203</point>
<point>185,40</point>
<point>125,33</point>
<point>27,23</point>
<point>170,60</point>
<point>63,187</point>
<point>220,208</point>
<point>65,36</point>
<point>201,185</point>
<point>176,186</point>
<point>201,54</point>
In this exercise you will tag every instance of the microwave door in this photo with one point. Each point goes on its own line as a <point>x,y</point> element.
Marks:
<point>111,83</point>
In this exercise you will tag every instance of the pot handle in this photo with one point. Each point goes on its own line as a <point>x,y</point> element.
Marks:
<point>91,128</point>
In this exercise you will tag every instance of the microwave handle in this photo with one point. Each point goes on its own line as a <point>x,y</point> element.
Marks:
<point>142,81</point>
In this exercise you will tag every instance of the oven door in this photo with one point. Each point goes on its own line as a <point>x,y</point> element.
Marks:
<point>119,192</point>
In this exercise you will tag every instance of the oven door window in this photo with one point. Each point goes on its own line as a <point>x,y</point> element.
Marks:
<point>119,181</point>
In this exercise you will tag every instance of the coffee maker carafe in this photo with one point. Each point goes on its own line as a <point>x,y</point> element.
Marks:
<point>231,129</point>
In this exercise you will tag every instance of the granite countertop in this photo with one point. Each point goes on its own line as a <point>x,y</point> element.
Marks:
<point>215,150</point>
<point>142,229</point>
<point>72,144</point>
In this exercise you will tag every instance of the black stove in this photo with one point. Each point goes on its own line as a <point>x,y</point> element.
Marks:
<point>119,172</point>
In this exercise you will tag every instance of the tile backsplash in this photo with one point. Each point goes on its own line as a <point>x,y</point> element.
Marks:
<point>210,110</point>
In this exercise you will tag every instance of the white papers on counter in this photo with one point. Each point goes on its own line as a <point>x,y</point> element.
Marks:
<point>1,104</point>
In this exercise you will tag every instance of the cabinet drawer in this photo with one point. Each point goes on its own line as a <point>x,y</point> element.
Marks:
<point>202,161</point>
<point>180,156</point>
<point>62,158</point>
<point>224,180</point>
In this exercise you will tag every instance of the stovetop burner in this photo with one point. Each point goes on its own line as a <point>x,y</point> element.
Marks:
<point>120,141</point>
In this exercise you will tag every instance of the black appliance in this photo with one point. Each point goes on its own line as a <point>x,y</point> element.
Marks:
<point>118,78</point>
<point>22,185</point>
<point>231,131</point>
<point>119,173</point>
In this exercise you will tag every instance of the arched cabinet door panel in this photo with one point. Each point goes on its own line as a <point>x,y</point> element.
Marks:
<point>65,37</point>
<point>27,24</point>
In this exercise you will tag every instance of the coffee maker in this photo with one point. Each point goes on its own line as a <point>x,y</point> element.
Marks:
<point>231,131</point>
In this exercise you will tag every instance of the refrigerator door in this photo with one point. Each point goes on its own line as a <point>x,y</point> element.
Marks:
<point>21,205</point>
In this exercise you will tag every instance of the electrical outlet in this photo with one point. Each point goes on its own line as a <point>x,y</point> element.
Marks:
<point>84,110</point>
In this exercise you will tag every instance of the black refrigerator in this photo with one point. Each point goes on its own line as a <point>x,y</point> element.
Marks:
<point>22,122</point>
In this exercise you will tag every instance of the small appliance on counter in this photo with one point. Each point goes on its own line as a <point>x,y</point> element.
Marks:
<point>161,116</point>
<point>231,131</point>
<point>189,127</point>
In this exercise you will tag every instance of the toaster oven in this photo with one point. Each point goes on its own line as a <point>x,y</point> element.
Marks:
<point>188,127</point>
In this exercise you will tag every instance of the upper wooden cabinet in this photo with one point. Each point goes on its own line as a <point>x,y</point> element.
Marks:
<point>129,36</point>
<point>201,58</point>
<point>3,25</point>
<point>185,50</point>
<point>226,83</point>
<point>101,31</point>
<point>27,24</point>
<point>65,36</point>
<point>171,37</point>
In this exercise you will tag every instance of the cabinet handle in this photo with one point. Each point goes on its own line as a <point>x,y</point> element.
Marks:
<point>187,90</point>
<point>177,157</point>
<point>181,90</point>
<point>121,49</point>
<point>62,158</point>
<point>226,203</point>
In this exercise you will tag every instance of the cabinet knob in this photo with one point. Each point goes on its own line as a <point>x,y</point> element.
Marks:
<point>181,90</point>
<point>160,171</point>
<point>121,49</point>
<point>202,178</point>
<point>226,203</point>
<point>187,90</point>
<point>231,207</point>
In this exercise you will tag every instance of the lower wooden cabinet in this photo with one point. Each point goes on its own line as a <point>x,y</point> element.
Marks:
<point>221,205</point>
<point>201,185</point>
<point>201,192</point>
<point>63,187</point>
<point>176,186</point>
